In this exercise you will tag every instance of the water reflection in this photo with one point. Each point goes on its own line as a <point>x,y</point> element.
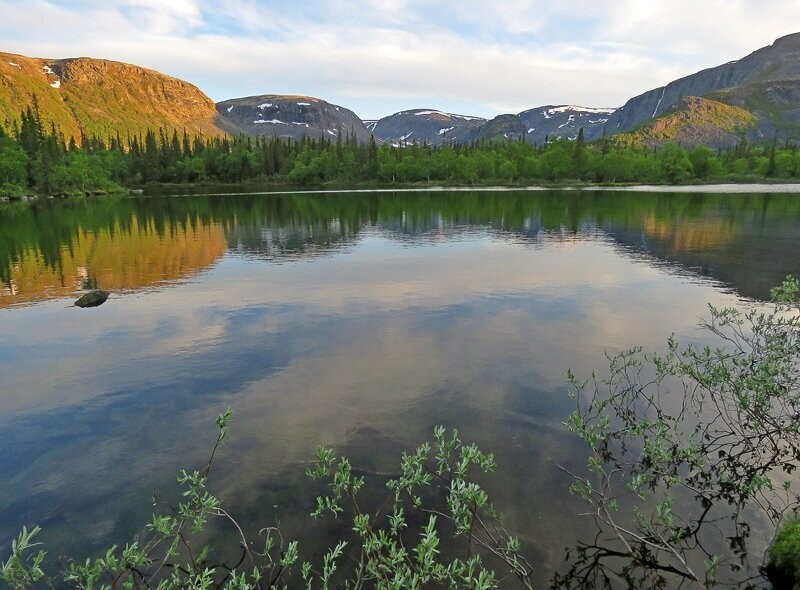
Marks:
<point>358,321</point>
<point>55,249</point>
<point>118,256</point>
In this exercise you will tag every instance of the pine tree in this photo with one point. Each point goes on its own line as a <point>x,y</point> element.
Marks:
<point>579,156</point>
<point>772,168</point>
<point>151,158</point>
<point>187,147</point>
<point>175,150</point>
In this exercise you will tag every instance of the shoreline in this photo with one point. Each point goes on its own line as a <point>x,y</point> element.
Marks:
<point>288,189</point>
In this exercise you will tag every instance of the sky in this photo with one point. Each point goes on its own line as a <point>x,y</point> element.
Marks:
<point>378,57</point>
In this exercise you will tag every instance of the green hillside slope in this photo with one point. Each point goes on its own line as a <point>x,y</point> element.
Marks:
<point>100,97</point>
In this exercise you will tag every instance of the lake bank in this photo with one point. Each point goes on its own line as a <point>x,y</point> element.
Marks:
<point>287,189</point>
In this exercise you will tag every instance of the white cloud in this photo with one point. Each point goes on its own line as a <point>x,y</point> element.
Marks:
<point>162,17</point>
<point>703,28</point>
<point>381,55</point>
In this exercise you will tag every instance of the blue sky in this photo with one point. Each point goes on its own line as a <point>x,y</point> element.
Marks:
<point>377,57</point>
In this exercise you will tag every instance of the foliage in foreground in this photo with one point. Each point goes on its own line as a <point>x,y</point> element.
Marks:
<point>688,450</point>
<point>399,545</point>
<point>783,569</point>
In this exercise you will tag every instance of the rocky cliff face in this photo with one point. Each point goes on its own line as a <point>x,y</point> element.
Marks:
<point>292,117</point>
<point>100,97</point>
<point>424,126</point>
<point>765,82</point>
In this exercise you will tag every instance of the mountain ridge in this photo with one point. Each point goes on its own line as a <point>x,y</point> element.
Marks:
<point>87,96</point>
<point>735,82</point>
<point>429,125</point>
<point>291,116</point>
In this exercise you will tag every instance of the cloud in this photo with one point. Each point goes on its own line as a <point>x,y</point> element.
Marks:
<point>379,56</point>
<point>164,17</point>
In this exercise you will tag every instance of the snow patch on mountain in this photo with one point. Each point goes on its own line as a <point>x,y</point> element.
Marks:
<point>432,113</point>
<point>565,108</point>
<point>442,114</point>
<point>49,71</point>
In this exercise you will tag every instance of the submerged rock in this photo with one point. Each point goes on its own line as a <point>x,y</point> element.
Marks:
<point>92,298</point>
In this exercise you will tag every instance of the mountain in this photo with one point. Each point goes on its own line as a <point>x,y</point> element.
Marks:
<point>501,128</point>
<point>291,116</point>
<point>100,97</point>
<point>765,83</point>
<point>757,96</point>
<point>424,126</point>
<point>563,121</point>
<point>693,121</point>
<point>436,127</point>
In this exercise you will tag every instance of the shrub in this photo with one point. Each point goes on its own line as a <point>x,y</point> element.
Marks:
<point>396,544</point>
<point>783,568</point>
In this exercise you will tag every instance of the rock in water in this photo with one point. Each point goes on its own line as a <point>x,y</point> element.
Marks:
<point>93,298</point>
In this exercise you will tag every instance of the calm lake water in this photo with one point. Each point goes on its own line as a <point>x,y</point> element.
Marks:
<point>358,321</point>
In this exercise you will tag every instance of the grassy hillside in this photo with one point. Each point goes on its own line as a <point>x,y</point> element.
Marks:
<point>693,121</point>
<point>99,97</point>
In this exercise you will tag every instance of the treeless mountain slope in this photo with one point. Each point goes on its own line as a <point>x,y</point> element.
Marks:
<point>564,121</point>
<point>501,128</point>
<point>288,116</point>
<point>424,126</point>
<point>100,97</point>
<point>693,121</point>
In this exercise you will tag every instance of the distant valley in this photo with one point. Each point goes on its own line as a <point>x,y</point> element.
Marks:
<point>756,97</point>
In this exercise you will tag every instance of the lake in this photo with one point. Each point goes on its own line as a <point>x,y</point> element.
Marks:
<point>354,320</point>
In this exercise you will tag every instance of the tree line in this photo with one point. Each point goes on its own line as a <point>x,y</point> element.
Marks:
<point>36,157</point>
